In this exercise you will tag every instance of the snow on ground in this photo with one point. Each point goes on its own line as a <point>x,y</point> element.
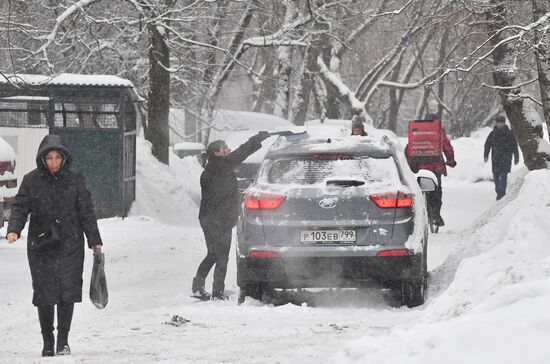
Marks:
<point>487,303</point>
<point>168,194</point>
<point>494,307</point>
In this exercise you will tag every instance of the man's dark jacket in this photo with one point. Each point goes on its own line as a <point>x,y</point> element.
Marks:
<point>56,272</point>
<point>503,145</point>
<point>220,196</point>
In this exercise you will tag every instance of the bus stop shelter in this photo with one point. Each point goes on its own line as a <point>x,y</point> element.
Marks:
<point>96,116</point>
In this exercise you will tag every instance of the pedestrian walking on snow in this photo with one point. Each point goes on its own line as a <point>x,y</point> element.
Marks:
<point>502,144</point>
<point>219,210</point>
<point>61,212</point>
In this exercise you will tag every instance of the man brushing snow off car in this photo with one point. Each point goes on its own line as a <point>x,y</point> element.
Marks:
<point>219,210</point>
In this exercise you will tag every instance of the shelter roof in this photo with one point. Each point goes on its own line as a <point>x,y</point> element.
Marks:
<point>69,80</point>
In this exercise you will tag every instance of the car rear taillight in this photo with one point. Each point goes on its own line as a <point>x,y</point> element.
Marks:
<point>263,254</point>
<point>262,201</point>
<point>392,200</point>
<point>393,253</point>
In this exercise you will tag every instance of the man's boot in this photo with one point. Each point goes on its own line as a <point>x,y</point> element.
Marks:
<point>198,289</point>
<point>218,292</point>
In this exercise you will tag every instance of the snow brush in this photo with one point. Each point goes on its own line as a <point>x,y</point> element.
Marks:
<point>291,136</point>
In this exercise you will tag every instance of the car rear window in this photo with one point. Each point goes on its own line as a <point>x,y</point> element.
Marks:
<point>312,171</point>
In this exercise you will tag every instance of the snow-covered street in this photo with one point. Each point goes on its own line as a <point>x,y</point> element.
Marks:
<point>321,142</point>
<point>487,302</point>
<point>149,277</point>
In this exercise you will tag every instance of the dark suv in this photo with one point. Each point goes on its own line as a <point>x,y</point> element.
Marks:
<point>333,213</point>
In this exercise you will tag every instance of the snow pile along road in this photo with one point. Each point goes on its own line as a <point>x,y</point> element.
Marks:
<point>495,309</point>
<point>163,192</point>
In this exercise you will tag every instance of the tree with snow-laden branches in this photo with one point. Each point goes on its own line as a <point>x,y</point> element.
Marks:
<point>385,59</point>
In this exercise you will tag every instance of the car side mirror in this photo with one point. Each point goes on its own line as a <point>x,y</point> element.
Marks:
<point>427,180</point>
<point>426,184</point>
<point>243,183</point>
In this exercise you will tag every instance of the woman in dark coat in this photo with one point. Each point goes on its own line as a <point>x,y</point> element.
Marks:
<point>219,210</point>
<point>61,212</point>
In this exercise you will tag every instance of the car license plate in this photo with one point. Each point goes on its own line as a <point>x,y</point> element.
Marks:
<point>328,236</point>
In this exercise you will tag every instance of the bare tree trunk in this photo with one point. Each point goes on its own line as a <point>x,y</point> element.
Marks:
<point>321,97</point>
<point>235,50</point>
<point>305,87</point>
<point>263,87</point>
<point>441,60</point>
<point>421,106</point>
<point>413,64</point>
<point>334,109</point>
<point>159,93</point>
<point>504,76</point>
<point>540,8</point>
<point>283,72</point>
<point>394,105</point>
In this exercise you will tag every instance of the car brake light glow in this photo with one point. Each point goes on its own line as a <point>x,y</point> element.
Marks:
<point>262,201</point>
<point>392,200</point>
<point>263,254</point>
<point>393,253</point>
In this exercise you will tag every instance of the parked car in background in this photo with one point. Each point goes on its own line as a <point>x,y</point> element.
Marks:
<point>8,178</point>
<point>189,149</point>
<point>334,212</point>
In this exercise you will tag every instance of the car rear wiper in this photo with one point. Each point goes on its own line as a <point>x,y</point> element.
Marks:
<point>345,182</point>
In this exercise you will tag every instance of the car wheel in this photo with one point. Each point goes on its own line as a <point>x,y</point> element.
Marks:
<point>413,292</point>
<point>242,296</point>
<point>268,295</point>
<point>251,290</point>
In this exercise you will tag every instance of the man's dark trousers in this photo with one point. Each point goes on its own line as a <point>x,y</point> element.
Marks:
<point>500,179</point>
<point>435,197</point>
<point>218,243</point>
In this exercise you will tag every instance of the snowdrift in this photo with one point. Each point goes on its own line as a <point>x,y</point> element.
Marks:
<point>495,305</point>
<point>170,194</point>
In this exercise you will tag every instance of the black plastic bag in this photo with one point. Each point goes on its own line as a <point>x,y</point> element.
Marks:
<point>98,284</point>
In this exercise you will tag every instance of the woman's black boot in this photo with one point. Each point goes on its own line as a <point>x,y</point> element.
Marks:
<point>45,315</point>
<point>62,343</point>
<point>64,318</point>
<point>49,342</point>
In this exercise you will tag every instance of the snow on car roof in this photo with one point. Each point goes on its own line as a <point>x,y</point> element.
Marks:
<point>227,122</point>
<point>237,138</point>
<point>350,145</point>
<point>189,146</point>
